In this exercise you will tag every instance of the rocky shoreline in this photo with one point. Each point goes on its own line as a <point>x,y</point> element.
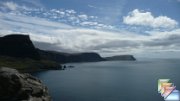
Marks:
<point>17,86</point>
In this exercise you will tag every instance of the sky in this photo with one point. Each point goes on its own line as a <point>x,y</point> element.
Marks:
<point>143,28</point>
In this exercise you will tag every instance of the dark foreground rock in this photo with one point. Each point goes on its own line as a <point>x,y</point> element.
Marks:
<point>15,86</point>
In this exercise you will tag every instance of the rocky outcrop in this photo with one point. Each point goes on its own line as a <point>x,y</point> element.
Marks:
<point>15,86</point>
<point>121,57</point>
<point>18,46</point>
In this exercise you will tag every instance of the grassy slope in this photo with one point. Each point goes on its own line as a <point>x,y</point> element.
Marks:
<point>27,64</point>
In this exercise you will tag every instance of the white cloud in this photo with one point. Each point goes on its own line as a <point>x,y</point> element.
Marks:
<point>89,23</point>
<point>96,25</point>
<point>71,11</point>
<point>69,16</point>
<point>62,13</point>
<point>137,17</point>
<point>15,7</point>
<point>93,17</point>
<point>83,17</point>
<point>10,5</point>
<point>22,19</point>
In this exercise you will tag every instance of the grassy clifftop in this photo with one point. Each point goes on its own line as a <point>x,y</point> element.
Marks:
<point>27,64</point>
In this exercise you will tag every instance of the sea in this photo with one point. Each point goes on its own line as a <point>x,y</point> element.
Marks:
<point>111,80</point>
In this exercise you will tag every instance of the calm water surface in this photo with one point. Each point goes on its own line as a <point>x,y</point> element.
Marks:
<point>111,81</point>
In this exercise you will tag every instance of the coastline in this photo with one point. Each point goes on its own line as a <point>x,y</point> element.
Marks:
<point>19,55</point>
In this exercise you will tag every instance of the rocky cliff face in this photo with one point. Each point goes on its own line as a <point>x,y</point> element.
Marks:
<point>18,46</point>
<point>15,86</point>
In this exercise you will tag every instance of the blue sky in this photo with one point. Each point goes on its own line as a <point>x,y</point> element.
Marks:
<point>144,28</point>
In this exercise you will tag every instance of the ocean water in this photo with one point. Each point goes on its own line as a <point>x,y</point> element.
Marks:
<point>111,81</point>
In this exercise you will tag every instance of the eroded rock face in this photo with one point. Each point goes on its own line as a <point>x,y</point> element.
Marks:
<point>15,86</point>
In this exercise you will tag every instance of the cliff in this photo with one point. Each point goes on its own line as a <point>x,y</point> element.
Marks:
<point>18,46</point>
<point>121,57</point>
<point>18,51</point>
<point>70,57</point>
<point>16,86</point>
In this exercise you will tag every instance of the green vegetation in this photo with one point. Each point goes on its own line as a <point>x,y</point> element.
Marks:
<point>26,64</point>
